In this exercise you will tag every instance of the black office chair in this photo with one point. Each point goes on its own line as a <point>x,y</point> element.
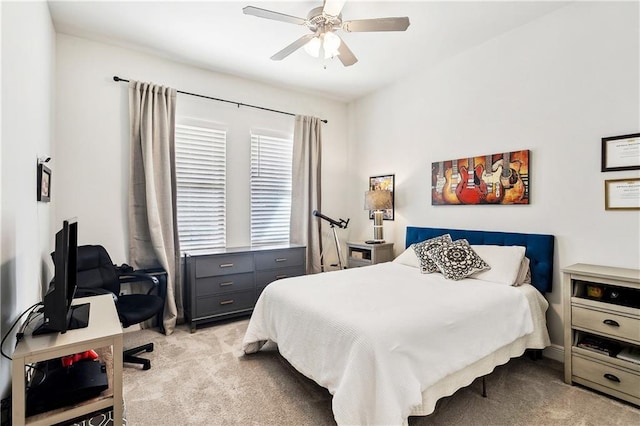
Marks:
<point>98,275</point>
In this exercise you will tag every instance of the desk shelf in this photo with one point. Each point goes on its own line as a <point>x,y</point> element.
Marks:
<point>103,334</point>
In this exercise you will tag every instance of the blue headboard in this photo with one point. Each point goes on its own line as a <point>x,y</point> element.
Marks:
<point>539,247</point>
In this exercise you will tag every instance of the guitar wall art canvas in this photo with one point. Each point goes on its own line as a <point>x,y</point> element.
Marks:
<point>501,178</point>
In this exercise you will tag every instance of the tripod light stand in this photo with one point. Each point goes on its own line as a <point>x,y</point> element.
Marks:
<point>340,223</point>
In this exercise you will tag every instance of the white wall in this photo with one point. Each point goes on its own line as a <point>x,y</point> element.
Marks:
<point>28,54</point>
<point>555,86</point>
<point>92,123</point>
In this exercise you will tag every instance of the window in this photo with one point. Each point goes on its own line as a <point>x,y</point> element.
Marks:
<point>201,186</point>
<point>271,159</point>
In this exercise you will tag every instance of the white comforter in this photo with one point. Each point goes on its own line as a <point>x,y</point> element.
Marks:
<point>376,337</point>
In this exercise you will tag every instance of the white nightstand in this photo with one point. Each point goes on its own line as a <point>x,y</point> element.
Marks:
<point>363,254</point>
<point>602,318</point>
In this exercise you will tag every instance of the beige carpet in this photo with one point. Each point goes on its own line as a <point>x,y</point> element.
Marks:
<point>204,379</point>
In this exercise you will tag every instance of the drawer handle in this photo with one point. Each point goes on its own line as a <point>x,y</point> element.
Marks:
<point>281,259</point>
<point>226,265</point>
<point>226,302</point>
<point>225,284</point>
<point>611,377</point>
<point>611,323</point>
<point>281,276</point>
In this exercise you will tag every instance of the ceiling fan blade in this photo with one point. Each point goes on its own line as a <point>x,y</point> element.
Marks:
<point>292,47</point>
<point>346,55</point>
<point>377,24</point>
<point>269,14</point>
<point>333,7</point>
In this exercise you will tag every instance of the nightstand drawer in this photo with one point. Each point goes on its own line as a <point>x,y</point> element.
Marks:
<point>608,323</point>
<point>214,305</point>
<point>207,266</point>
<point>358,263</point>
<point>279,259</point>
<point>606,375</point>
<point>220,284</point>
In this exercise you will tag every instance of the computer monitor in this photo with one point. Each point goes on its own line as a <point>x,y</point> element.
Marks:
<point>58,313</point>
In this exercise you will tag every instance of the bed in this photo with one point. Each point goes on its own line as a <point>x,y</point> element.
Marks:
<point>388,341</point>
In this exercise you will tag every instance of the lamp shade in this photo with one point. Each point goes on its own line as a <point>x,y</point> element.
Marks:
<point>313,47</point>
<point>377,200</point>
<point>330,43</point>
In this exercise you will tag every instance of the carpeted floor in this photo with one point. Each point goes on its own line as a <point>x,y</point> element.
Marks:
<point>204,379</point>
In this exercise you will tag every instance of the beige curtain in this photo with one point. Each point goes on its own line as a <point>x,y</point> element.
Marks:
<point>305,193</point>
<point>153,235</point>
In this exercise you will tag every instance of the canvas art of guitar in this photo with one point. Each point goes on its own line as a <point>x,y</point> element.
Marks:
<point>452,180</point>
<point>472,190</point>
<point>511,180</point>
<point>500,178</point>
<point>491,177</point>
<point>438,182</point>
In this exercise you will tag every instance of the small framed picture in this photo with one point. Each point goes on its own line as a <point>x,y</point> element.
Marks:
<point>622,194</point>
<point>384,182</point>
<point>44,183</point>
<point>621,153</point>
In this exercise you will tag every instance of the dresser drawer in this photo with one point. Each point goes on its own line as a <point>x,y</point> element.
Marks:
<point>606,375</point>
<point>279,258</point>
<point>263,278</point>
<point>208,286</point>
<point>608,323</point>
<point>220,304</point>
<point>207,266</point>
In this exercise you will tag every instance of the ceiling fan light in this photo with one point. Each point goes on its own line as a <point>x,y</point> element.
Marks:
<point>331,43</point>
<point>313,47</point>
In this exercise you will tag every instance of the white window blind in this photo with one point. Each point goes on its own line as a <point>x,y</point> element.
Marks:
<point>201,186</point>
<point>270,189</point>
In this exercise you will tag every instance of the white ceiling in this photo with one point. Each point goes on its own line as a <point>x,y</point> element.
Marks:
<point>216,35</point>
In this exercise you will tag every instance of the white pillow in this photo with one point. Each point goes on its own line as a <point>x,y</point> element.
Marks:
<point>524,275</point>
<point>408,257</point>
<point>505,262</point>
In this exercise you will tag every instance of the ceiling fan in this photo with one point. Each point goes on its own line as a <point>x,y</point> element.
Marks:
<point>323,22</point>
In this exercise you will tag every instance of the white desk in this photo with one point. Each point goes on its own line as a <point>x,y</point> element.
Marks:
<point>103,334</point>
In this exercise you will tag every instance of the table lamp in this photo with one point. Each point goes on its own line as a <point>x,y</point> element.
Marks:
<point>377,201</point>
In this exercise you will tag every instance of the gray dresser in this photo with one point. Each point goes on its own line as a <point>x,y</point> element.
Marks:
<point>224,283</point>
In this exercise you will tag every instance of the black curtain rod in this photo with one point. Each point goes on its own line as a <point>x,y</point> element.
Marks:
<point>116,78</point>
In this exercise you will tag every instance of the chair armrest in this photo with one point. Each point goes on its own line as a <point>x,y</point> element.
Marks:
<point>137,276</point>
<point>86,292</point>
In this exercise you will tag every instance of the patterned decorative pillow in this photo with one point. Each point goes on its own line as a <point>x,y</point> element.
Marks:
<point>457,260</point>
<point>426,264</point>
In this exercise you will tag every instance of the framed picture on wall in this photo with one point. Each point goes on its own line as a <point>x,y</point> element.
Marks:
<point>384,182</point>
<point>621,153</point>
<point>44,183</point>
<point>501,178</point>
<point>622,194</point>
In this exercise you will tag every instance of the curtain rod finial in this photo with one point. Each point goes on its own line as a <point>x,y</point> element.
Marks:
<point>116,78</point>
